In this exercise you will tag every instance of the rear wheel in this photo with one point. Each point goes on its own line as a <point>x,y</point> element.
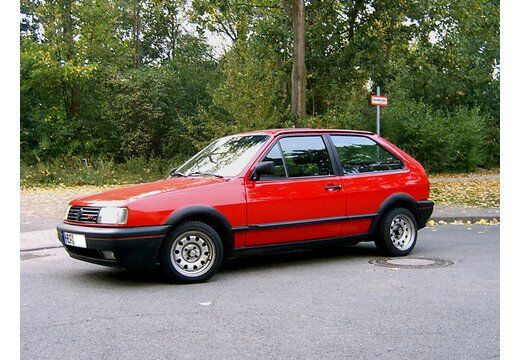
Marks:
<point>192,253</point>
<point>397,233</point>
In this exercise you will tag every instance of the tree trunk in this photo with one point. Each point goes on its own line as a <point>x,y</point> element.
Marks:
<point>299,71</point>
<point>353,14</point>
<point>72,100</point>
<point>174,32</point>
<point>136,32</point>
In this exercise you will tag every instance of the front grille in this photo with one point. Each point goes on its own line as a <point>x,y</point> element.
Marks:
<point>87,214</point>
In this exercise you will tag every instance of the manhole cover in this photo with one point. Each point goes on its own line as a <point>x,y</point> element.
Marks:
<point>411,262</point>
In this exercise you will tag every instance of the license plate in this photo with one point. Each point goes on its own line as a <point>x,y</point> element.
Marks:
<point>74,240</point>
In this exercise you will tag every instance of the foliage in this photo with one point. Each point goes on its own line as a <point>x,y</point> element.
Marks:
<point>262,101</point>
<point>145,79</point>
<point>442,141</point>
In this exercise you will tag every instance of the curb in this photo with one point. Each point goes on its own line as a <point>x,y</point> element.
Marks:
<point>464,218</point>
<point>41,248</point>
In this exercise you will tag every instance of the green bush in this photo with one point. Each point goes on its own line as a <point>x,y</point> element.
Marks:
<point>441,141</point>
<point>461,140</point>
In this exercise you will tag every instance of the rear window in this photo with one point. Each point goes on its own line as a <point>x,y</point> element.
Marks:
<point>359,154</point>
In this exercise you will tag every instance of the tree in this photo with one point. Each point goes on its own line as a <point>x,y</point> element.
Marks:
<point>232,18</point>
<point>163,19</point>
<point>140,78</point>
<point>299,72</point>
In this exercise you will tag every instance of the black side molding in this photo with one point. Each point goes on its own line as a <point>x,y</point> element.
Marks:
<point>275,225</point>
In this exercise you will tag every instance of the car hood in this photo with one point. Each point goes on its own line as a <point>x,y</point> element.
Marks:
<point>121,196</point>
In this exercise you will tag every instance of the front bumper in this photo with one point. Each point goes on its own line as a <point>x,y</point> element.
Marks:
<point>424,210</point>
<point>136,247</point>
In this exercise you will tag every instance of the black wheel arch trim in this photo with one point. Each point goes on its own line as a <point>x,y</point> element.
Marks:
<point>205,211</point>
<point>391,201</point>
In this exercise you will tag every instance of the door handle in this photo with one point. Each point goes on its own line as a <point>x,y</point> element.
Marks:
<point>333,187</point>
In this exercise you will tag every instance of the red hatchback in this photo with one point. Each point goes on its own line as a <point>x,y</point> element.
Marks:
<point>268,190</point>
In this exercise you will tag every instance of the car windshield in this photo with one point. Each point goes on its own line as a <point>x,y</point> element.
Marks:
<point>224,157</point>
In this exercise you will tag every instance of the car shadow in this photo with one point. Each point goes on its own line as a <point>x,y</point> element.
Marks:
<point>120,277</point>
<point>291,258</point>
<point>246,263</point>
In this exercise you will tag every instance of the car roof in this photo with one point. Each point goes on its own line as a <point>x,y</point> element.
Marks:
<point>306,130</point>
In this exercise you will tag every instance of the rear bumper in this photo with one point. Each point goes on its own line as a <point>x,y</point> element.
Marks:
<point>136,247</point>
<point>424,211</point>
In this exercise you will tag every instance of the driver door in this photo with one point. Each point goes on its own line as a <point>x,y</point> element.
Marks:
<point>303,200</point>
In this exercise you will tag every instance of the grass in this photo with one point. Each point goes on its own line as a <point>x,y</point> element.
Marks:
<point>76,172</point>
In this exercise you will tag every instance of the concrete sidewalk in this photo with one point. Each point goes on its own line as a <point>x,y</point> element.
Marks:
<point>450,213</point>
<point>38,240</point>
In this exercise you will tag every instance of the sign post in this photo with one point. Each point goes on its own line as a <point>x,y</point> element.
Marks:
<point>378,113</point>
<point>378,101</point>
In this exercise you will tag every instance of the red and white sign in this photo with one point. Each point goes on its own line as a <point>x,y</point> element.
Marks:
<point>378,100</point>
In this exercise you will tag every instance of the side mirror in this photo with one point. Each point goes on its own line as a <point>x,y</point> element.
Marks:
<point>263,168</point>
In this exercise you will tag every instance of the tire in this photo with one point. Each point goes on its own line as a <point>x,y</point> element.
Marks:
<point>397,233</point>
<point>192,253</point>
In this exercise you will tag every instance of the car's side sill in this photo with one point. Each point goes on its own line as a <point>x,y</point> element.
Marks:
<point>266,226</point>
<point>302,244</point>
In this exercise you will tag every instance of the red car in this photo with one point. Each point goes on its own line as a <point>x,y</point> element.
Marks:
<point>268,190</point>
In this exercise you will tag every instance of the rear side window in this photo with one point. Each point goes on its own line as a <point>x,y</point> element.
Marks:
<point>306,156</point>
<point>359,155</point>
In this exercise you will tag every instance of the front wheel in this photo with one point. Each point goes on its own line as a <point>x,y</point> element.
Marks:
<point>397,233</point>
<point>192,253</point>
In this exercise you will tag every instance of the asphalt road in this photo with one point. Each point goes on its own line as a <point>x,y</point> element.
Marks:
<point>326,304</point>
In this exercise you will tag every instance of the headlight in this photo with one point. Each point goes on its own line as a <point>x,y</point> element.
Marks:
<point>112,215</point>
<point>67,212</point>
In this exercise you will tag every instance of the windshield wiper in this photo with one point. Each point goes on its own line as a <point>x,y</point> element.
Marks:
<point>198,173</point>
